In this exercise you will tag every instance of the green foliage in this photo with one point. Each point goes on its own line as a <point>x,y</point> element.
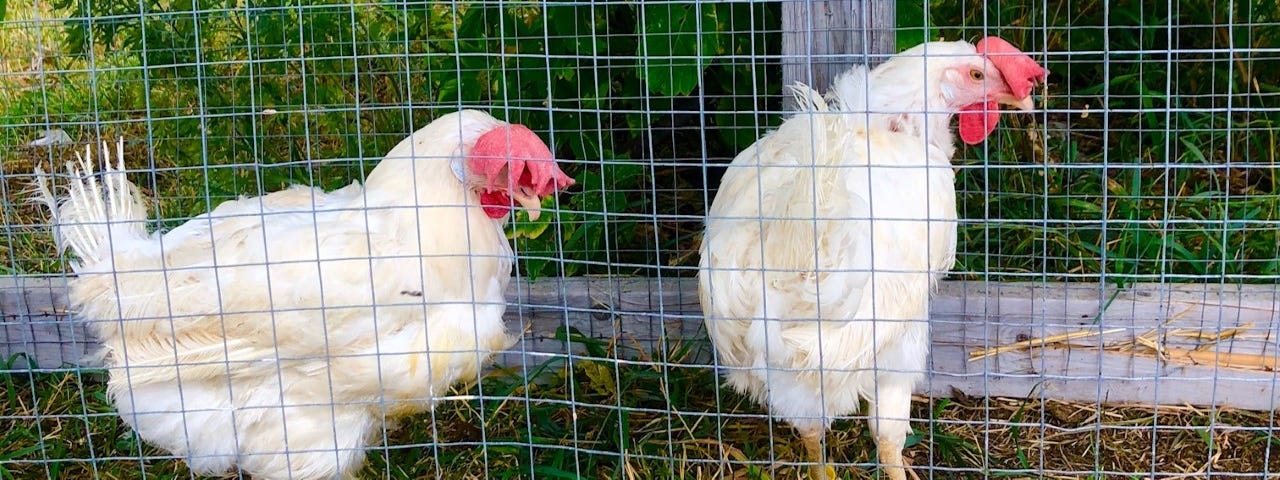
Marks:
<point>913,26</point>
<point>1158,177</point>
<point>613,88</point>
<point>585,72</point>
<point>677,37</point>
<point>1168,171</point>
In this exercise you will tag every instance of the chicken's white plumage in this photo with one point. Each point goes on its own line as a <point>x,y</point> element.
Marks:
<point>826,238</point>
<point>276,334</point>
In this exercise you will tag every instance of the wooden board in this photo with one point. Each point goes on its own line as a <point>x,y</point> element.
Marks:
<point>823,38</point>
<point>643,315</point>
<point>34,325</point>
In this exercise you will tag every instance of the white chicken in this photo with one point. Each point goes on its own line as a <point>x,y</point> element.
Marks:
<point>276,334</point>
<point>828,234</point>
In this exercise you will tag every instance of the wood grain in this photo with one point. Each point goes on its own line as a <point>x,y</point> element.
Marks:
<point>823,38</point>
<point>649,319</point>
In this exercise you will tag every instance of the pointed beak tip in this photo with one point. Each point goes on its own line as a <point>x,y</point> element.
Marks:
<point>1027,104</point>
<point>531,204</point>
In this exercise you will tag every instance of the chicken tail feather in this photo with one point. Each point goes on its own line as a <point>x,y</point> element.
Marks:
<point>93,216</point>
<point>807,99</point>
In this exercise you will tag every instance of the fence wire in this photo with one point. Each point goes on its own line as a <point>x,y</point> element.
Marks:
<point>1111,313</point>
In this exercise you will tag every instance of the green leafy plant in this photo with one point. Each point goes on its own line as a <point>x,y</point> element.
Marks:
<point>645,102</point>
<point>676,39</point>
<point>613,88</point>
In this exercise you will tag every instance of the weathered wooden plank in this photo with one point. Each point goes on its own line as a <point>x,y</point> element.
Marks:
<point>34,323</point>
<point>823,38</point>
<point>968,316</point>
<point>643,315</point>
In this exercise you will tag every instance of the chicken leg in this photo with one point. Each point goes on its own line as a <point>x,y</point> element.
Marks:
<point>889,423</point>
<point>813,447</point>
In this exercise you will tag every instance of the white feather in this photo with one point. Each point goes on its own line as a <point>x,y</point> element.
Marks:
<point>277,333</point>
<point>824,241</point>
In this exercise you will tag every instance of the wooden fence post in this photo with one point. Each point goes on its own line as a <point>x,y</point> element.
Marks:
<point>823,38</point>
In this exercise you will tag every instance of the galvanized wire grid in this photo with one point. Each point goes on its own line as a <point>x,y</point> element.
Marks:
<point>1142,187</point>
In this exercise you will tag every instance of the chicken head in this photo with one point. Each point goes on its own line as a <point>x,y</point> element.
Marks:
<point>514,164</point>
<point>1005,76</point>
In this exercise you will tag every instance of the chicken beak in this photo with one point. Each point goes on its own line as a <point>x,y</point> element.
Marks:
<point>531,203</point>
<point>1026,104</point>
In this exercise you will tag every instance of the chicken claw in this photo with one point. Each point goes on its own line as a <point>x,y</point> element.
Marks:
<point>813,446</point>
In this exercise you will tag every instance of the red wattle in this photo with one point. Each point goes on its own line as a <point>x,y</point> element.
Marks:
<point>496,204</point>
<point>976,124</point>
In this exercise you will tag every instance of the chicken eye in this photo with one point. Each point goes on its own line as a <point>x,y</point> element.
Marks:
<point>976,75</point>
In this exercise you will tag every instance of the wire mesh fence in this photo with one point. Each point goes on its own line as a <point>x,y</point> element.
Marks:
<point>1112,310</point>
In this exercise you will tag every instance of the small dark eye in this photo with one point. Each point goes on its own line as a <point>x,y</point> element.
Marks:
<point>976,75</point>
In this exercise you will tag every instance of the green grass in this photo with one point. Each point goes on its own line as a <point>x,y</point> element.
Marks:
<point>632,421</point>
<point>1144,193</point>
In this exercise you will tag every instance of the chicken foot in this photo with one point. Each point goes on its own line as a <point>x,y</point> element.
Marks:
<point>889,424</point>
<point>813,447</point>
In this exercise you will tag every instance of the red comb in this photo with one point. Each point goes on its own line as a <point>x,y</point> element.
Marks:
<point>1018,69</point>
<point>529,160</point>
